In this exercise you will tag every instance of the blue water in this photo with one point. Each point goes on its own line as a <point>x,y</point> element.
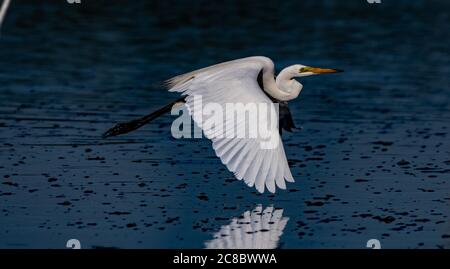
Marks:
<point>372,159</point>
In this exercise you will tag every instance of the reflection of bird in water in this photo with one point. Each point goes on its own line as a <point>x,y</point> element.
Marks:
<point>253,230</point>
<point>247,81</point>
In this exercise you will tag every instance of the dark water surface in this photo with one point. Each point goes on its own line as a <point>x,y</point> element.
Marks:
<point>372,159</point>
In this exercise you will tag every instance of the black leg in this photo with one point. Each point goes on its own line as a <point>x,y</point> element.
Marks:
<point>126,127</point>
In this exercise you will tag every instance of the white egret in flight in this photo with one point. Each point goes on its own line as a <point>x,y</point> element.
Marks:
<point>248,80</point>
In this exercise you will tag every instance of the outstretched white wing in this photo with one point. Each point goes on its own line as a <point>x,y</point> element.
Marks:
<point>235,82</point>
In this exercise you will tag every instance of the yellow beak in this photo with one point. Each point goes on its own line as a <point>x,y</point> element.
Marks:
<point>317,70</point>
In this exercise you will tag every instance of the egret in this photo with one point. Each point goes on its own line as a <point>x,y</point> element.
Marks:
<point>247,80</point>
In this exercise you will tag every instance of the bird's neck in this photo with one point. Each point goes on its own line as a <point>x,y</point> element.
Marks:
<point>284,88</point>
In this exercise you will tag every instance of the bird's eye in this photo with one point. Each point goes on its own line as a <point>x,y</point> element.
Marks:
<point>303,69</point>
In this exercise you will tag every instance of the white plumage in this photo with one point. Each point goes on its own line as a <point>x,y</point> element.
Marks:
<point>236,82</point>
<point>247,81</point>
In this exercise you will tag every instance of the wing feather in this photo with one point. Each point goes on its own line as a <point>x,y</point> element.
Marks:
<point>235,82</point>
<point>264,171</point>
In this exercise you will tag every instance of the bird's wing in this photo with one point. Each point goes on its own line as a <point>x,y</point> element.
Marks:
<point>236,82</point>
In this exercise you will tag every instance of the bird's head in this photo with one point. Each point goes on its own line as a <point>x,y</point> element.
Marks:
<point>299,70</point>
<point>289,86</point>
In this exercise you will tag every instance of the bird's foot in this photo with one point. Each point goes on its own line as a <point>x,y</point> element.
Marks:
<point>122,128</point>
